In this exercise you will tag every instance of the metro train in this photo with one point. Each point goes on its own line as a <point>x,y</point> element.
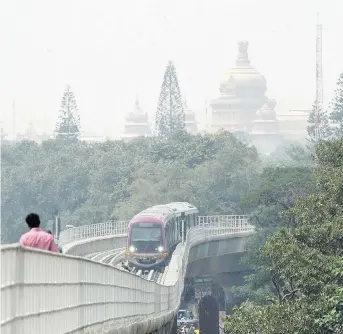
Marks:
<point>154,233</point>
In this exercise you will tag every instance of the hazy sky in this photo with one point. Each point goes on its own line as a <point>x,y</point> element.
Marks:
<point>112,51</point>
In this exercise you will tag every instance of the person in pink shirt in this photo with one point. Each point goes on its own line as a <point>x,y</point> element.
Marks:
<point>36,237</point>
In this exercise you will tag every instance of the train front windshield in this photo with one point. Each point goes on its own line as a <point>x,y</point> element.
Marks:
<point>146,237</point>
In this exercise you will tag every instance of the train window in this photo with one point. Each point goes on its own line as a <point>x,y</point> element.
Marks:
<point>146,233</point>
<point>146,225</point>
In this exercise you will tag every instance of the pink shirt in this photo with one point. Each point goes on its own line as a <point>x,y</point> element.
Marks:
<point>37,238</point>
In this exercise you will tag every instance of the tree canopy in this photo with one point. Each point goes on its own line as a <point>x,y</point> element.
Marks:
<point>318,124</point>
<point>303,261</point>
<point>336,115</point>
<point>91,183</point>
<point>68,124</point>
<point>170,116</point>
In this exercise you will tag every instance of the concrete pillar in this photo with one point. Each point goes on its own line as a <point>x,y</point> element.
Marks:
<point>174,326</point>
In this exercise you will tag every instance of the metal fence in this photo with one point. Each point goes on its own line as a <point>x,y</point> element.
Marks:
<point>43,292</point>
<point>120,227</point>
<point>92,231</point>
<point>236,220</point>
<point>223,224</point>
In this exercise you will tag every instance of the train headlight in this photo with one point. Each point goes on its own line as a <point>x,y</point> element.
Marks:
<point>160,249</point>
<point>132,249</point>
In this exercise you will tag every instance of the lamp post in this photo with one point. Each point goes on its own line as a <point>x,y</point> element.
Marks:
<point>183,227</point>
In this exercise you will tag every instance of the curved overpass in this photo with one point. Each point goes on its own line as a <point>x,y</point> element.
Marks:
<point>44,292</point>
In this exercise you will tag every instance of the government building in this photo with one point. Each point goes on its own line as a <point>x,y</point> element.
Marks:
<point>242,107</point>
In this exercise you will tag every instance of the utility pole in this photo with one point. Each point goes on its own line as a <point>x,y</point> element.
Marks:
<point>183,227</point>
<point>319,72</point>
<point>13,120</point>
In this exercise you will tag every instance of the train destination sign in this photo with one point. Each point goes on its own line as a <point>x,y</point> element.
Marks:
<point>202,279</point>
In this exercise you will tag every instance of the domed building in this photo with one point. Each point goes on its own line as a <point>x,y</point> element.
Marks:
<point>265,122</point>
<point>136,124</point>
<point>265,133</point>
<point>242,93</point>
<point>190,121</point>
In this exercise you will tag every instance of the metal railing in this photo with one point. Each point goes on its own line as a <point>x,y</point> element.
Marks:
<point>224,224</point>
<point>71,293</point>
<point>236,220</point>
<point>92,231</point>
<point>120,227</point>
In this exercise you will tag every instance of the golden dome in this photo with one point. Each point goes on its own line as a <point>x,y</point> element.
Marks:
<point>243,75</point>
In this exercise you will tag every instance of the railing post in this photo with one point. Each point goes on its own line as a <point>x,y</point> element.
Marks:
<point>183,227</point>
<point>17,306</point>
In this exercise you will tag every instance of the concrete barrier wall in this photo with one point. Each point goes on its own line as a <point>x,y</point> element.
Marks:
<point>44,292</point>
<point>93,245</point>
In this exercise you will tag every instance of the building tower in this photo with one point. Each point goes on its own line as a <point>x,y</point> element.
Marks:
<point>265,132</point>
<point>242,93</point>
<point>190,121</point>
<point>136,124</point>
<point>14,135</point>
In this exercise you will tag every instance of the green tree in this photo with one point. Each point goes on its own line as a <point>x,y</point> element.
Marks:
<point>68,124</point>
<point>91,183</point>
<point>276,192</point>
<point>170,117</point>
<point>319,127</point>
<point>305,260</point>
<point>336,115</point>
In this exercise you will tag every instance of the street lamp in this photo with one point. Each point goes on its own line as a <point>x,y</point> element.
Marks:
<point>70,226</point>
<point>183,227</point>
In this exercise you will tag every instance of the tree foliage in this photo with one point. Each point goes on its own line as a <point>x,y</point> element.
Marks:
<point>91,183</point>
<point>319,127</point>
<point>68,124</point>
<point>304,260</point>
<point>336,115</point>
<point>170,117</point>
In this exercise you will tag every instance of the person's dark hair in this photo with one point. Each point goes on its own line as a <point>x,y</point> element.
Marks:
<point>49,232</point>
<point>32,220</point>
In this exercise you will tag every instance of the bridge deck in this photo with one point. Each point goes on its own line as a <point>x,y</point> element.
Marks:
<point>44,292</point>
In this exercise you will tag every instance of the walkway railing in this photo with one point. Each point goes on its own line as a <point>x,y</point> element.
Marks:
<point>223,224</point>
<point>44,292</point>
<point>120,227</point>
<point>239,220</point>
<point>92,231</point>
